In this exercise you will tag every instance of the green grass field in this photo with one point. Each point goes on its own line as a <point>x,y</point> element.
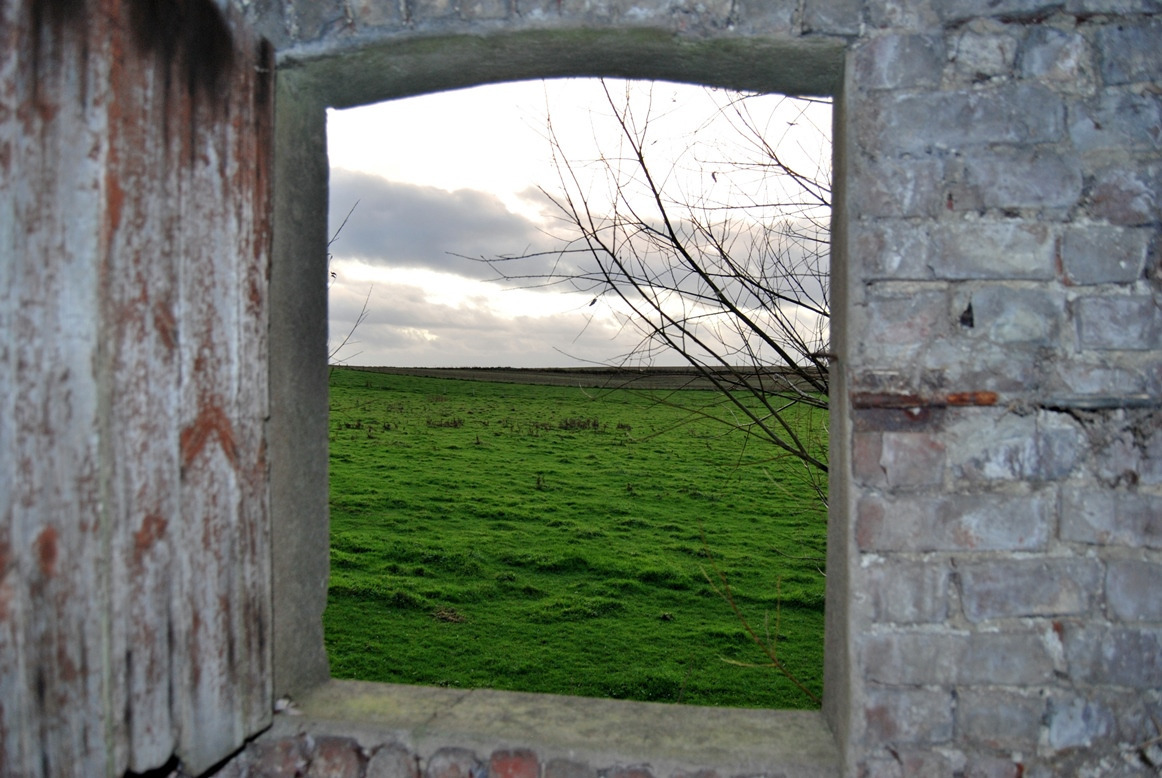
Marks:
<point>558,540</point>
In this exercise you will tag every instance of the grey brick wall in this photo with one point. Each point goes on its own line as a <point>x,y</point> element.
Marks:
<point>1000,252</point>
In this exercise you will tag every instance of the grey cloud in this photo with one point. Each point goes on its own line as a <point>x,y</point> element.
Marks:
<point>405,225</point>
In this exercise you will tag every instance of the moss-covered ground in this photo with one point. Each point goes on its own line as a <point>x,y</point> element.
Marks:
<point>564,540</point>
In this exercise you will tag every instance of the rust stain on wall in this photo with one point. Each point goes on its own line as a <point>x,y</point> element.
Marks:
<point>152,530</point>
<point>212,422</point>
<point>47,551</point>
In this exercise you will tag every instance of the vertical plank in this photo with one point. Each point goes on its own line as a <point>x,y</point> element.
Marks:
<point>134,514</point>
<point>140,281</point>
<point>55,628</point>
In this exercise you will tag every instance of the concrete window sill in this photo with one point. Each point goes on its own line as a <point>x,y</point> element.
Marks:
<point>667,739</point>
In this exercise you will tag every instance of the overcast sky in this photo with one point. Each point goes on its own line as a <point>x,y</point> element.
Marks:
<point>427,184</point>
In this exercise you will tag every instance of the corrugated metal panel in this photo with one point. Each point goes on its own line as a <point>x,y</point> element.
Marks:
<point>134,530</point>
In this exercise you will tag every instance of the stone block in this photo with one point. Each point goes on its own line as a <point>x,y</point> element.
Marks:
<point>1120,119</point>
<point>1028,587</point>
<point>1022,178</point>
<point>899,62</point>
<point>920,122</point>
<point>484,9</point>
<point>316,20</point>
<point>1127,194</point>
<point>832,17</point>
<point>897,187</point>
<point>1077,722</point>
<point>772,17</point>
<point>1114,322</point>
<point>1060,57</point>
<point>907,592</point>
<point>375,13</point>
<point>277,758</point>
<point>1100,254</point>
<point>959,10</point>
<point>1011,249</point>
<point>936,658</point>
<point>336,757</point>
<point>955,522</point>
<point>909,716</point>
<point>896,325</point>
<point>912,459</point>
<point>453,763</point>
<point>895,249</point>
<point>627,771</point>
<point>1117,656</point>
<point>998,719</point>
<point>518,763</point>
<point>1107,517</point>
<point>983,51</point>
<point>1129,50</point>
<point>565,768</point>
<point>1008,315</point>
<point>999,446</point>
<point>910,15</point>
<point>1134,590</point>
<point>392,761</point>
<point>981,765</point>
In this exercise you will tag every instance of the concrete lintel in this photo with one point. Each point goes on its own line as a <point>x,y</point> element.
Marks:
<point>599,733</point>
<point>396,68</point>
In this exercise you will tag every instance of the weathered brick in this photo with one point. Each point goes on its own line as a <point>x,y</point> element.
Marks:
<point>393,761</point>
<point>1000,446</point>
<point>1098,254</point>
<point>925,121</point>
<point>1134,590</point>
<point>1059,57</point>
<point>282,758</point>
<point>905,762</point>
<point>899,323</point>
<point>1006,315</point>
<point>897,187</point>
<point>374,13</point>
<point>1022,178</point>
<point>1028,587</point>
<point>998,719</point>
<point>627,771</point>
<point>1130,52</point>
<point>903,15</point>
<point>896,249</point>
<point>934,658</point>
<point>1120,656</point>
<point>957,10</point>
<point>984,50</point>
<point>519,763</point>
<point>1114,322</point>
<point>1120,119</point>
<point>1111,517</point>
<point>964,522</point>
<point>453,763</point>
<point>565,768</point>
<point>336,757</point>
<point>316,20</point>
<point>1125,194</point>
<point>911,716</point>
<point>912,459</point>
<point>899,62</point>
<point>1010,249</point>
<point>1077,722</point>
<point>907,592</point>
<point>979,765</point>
<point>832,17</point>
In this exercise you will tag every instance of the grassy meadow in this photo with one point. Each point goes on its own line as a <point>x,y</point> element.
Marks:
<point>560,540</point>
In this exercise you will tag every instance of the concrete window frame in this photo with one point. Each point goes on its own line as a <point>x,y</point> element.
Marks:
<point>297,431</point>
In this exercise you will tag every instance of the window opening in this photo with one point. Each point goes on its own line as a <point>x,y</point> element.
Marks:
<point>637,533</point>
